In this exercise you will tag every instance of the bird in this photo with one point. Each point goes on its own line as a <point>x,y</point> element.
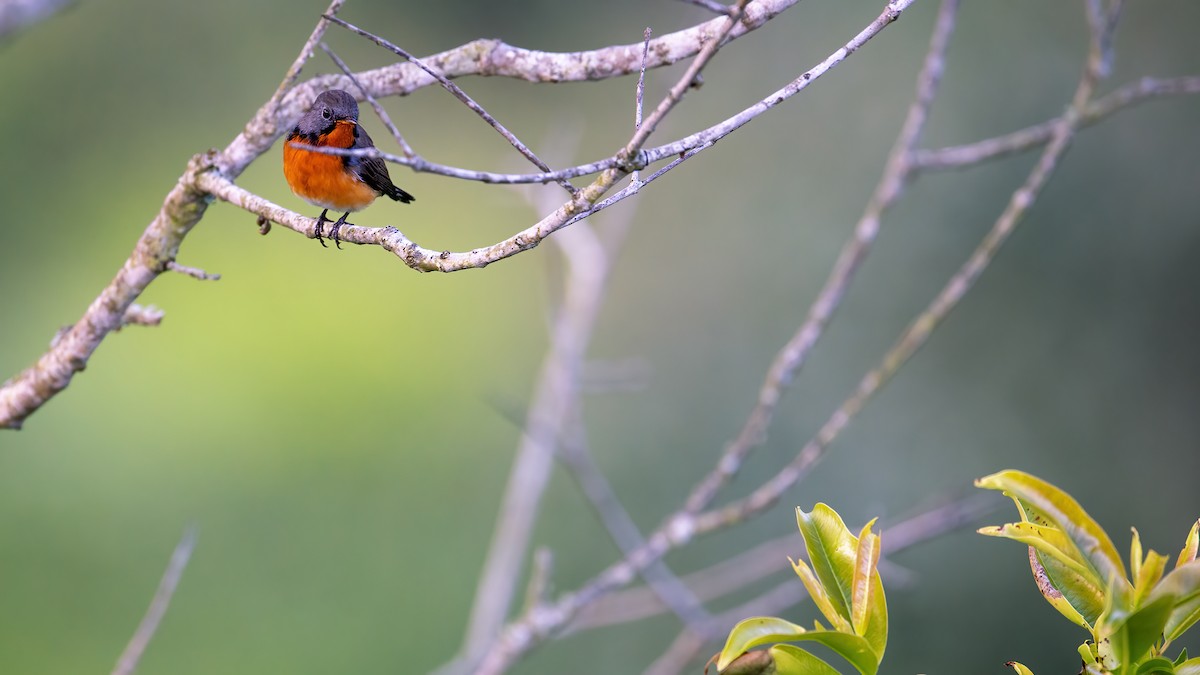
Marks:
<point>335,182</point>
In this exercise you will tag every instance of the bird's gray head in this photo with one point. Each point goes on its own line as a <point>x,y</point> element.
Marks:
<point>329,108</point>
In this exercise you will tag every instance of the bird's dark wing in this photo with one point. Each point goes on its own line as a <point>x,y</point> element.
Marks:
<point>373,170</point>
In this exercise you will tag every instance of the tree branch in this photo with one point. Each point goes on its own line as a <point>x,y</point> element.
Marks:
<point>212,172</point>
<point>132,655</point>
<point>1145,89</point>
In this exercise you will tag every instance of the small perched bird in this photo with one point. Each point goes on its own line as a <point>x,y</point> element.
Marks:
<point>330,181</point>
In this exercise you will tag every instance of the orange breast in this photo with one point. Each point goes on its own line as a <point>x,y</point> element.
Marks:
<point>323,179</point>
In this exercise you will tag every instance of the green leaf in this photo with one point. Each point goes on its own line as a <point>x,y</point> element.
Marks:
<point>1043,501</point>
<point>869,603</point>
<point>1049,540</point>
<point>1156,665</point>
<point>1049,587</point>
<point>1188,553</point>
<point>792,660</point>
<point>1038,496</point>
<point>865,560</point>
<point>759,631</point>
<point>1019,667</point>
<point>1132,639</point>
<point>1182,657</point>
<point>832,551</point>
<point>820,597</point>
<point>1189,667</point>
<point>1147,576</point>
<point>754,632</point>
<point>855,649</point>
<point>1183,584</point>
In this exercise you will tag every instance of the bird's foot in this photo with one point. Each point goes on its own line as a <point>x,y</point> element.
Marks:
<point>321,220</point>
<point>333,231</point>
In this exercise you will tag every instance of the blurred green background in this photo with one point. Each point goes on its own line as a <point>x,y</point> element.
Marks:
<point>339,427</point>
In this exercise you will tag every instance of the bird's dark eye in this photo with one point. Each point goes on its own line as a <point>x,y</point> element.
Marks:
<point>326,113</point>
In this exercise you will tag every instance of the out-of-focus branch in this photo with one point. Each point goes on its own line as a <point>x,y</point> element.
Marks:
<point>792,357</point>
<point>907,533</point>
<point>556,401</point>
<point>1145,89</point>
<point>540,622</point>
<point>158,606</point>
<point>921,328</point>
<point>16,15</point>
<point>762,561</point>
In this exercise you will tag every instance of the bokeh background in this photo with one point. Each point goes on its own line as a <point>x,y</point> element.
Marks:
<point>339,427</point>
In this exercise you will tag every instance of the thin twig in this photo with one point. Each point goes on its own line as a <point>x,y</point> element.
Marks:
<point>686,81</point>
<point>586,203</point>
<point>641,89</point>
<point>680,528</point>
<point>555,402</point>
<point>792,357</point>
<point>185,204</point>
<point>762,561</point>
<point>1144,89</point>
<point>409,153</point>
<point>927,525</point>
<point>306,54</point>
<point>660,580</point>
<point>139,315</point>
<point>458,93</point>
<point>128,662</point>
<point>193,272</point>
<point>915,336</point>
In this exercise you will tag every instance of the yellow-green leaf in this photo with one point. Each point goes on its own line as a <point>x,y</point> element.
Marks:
<point>1135,555</point>
<point>1183,584</point>
<point>1051,541</point>
<point>831,552</point>
<point>751,633</point>
<point>1188,554</point>
<point>1133,638</point>
<point>759,631</point>
<point>1148,574</point>
<point>1050,590</point>
<point>1019,667</point>
<point>1154,665</point>
<point>865,572</point>
<point>1060,509</point>
<point>855,649</point>
<point>792,660</point>
<point>820,596</point>
<point>1189,667</point>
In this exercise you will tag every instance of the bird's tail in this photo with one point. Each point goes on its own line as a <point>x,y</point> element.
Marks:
<point>399,195</point>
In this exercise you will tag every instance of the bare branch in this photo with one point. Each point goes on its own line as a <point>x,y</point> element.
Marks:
<point>194,272</point>
<point>16,15</point>
<point>137,315</point>
<point>795,353</point>
<point>409,153</point>
<point>919,331</point>
<point>128,662</point>
<point>641,89</point>
<point>306,54</point>
<point>930,524</point>
<point>755,564</point>
<point>1145,89</point>
<point>459,94</point>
